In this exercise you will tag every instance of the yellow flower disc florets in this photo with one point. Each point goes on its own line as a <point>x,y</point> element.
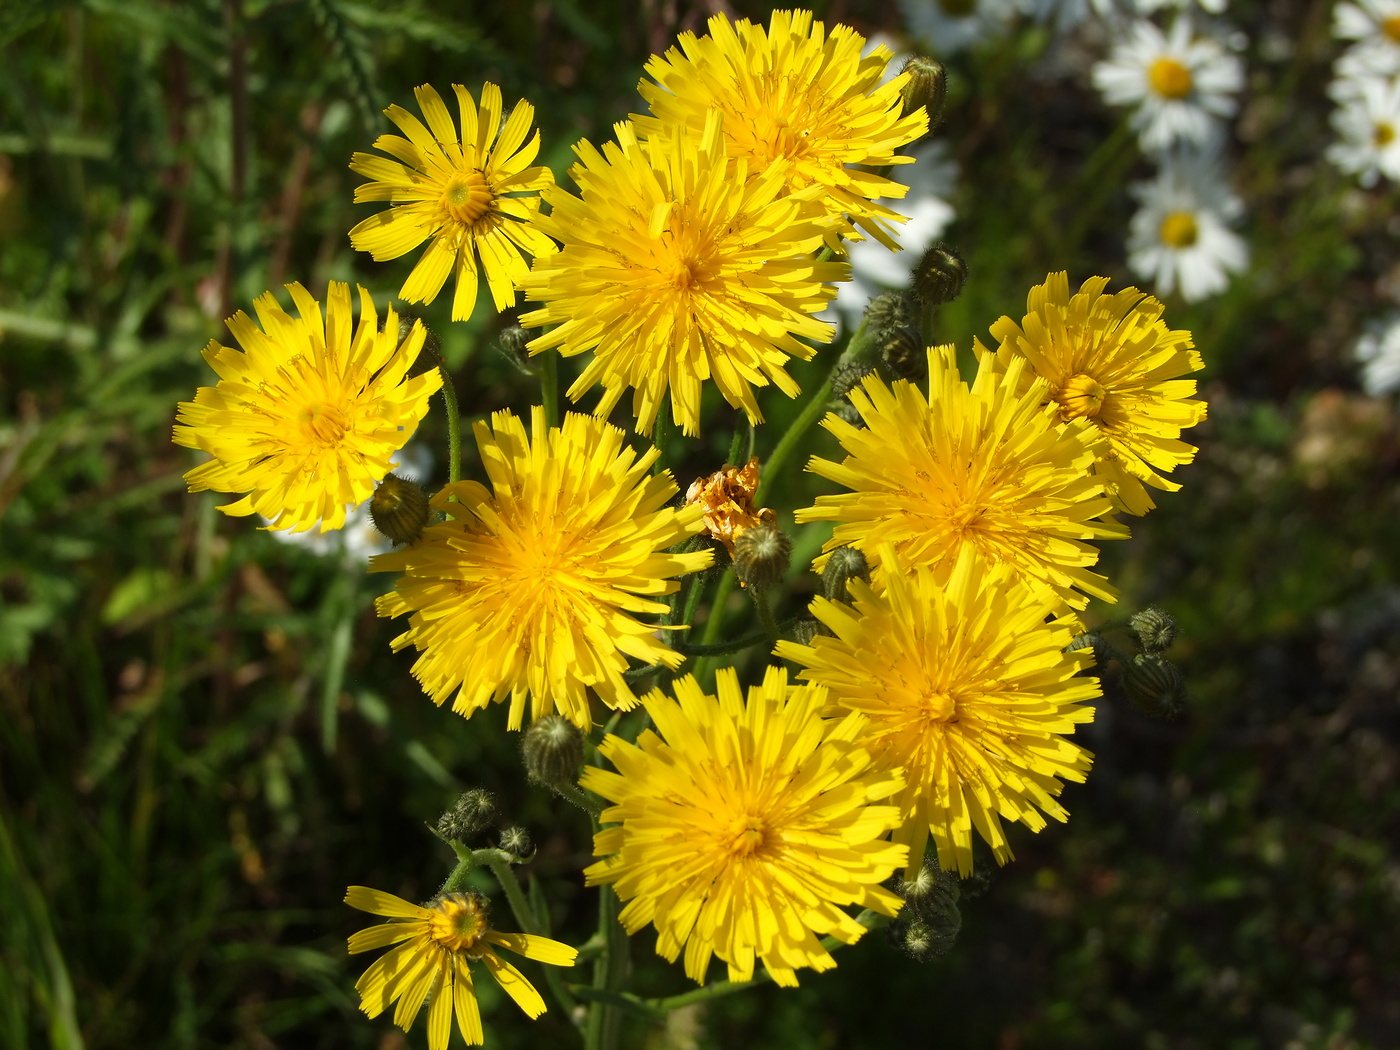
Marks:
<point>1169,78</point>
<point>796,95</point>
<point>307,416</point>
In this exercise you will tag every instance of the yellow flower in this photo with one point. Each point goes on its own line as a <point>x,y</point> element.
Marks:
<point>306,417</point>
<point>743,829</point>
<point>989,468</point>
<point>798,96</point>
<point>473,195</point>
<point>967,690</point>
<point>1110,359</point>
<point>673,271</point>
<point>442,940</point>
<point>530,588</point>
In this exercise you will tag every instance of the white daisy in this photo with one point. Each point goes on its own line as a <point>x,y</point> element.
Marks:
<point>1375,26</point>
<point>1181,236</point>
<point>1369,128</point>
<point>945,27</point>
<point>1147,7</point>
<point>1378,350</point>
<point>874,267</point>
<point>1180,84</point>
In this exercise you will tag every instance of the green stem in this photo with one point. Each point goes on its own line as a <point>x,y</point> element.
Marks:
<point>549,386</point>
<point>765,612</point>
<point>815,408</point>
<point>661,435</point>
<point>580,798</point>
<point>609,975</point>
<point>454,427</point>
<point>499,862</point>
<point>739,644</point>
<point>714,624</point>
<point>737,443</point>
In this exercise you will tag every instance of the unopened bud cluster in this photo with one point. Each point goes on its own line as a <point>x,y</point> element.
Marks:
<point>931,920</point>
<point>473,811</point>
<point>552,749</point>
<point>1153,683</point>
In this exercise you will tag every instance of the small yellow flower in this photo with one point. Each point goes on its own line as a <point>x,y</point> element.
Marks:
<point>798,96</point>
<point>306,417</point>
<point>531,589</point>
<point>743,828</point>
<point>1112,361</point>
<point>987,467</point>
<point>672,270</point>
<point>442,940</point>
<point>967,689</point>
<point>475,196</point>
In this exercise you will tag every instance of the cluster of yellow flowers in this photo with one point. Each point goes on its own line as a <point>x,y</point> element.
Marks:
<point>698,247</point>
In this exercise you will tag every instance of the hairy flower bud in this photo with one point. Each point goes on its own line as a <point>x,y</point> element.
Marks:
<point>761,556</point>
<point>844,565</point>
<point>902,353</point>
<point>890,311</point>
<point>473,811</point>
<point>515,840</point>
<point>553,751</point>
<point>399,509</point>
<point>511,344</point>
<point>1155,629</point>
<point>940,275</point>
<point>848,376</point>
<point>1155,685</point>
<point>927,86</point>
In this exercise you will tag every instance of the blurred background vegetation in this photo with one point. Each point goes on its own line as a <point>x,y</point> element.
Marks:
<point>204,736</point>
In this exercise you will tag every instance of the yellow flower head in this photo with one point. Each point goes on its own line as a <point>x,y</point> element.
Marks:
<point>306,417</point>
<point>474,196</point>
<point>530,588</point>
<point>744,828</point>
<point>799,96</point>
<point>966,688</point>
<point>436,944</point>
<point>675,268</point>
<point>1111,360</point>
<point>989,468</point>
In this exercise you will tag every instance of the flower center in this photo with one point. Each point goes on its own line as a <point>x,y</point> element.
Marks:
<point>1391,28</point>
<point>325,424</point>
<point>958,8</point>
<point>939,706</point>
<point>1081,396</point>
<point>744,835</point>
<point>467,197</point>
<point>1169,78</point>
<point>458,921</point>
<point>1178,230</point>
<point>687,274</point>
<point>1383,134</point>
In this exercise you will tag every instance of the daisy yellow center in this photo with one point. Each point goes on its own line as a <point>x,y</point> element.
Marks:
<point>324,424</point>
<point>1169,78</point>
<point>1384,133</point>
<point>467,197</point>
<point>458,921</point>
<point>958,8</point>
<point>1081,396</point>
<point>1178,230</point>
<point>745,835</point>
<point>1391,28</point>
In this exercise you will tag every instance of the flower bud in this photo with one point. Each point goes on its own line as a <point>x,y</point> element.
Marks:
<point>553,751</point>
<point>803,631</point>
<point>1155,630</point>
<point>473,811</point>
<point>902,353</point>
<point>761,556</point>
<point>399,509</point>
<point>940,275</point>
<point>927,86</point>
<point>1155,685</point>
<point>515,840</point>
<point>842,566</point>
<point>889,311</point>
<point>848,376</point>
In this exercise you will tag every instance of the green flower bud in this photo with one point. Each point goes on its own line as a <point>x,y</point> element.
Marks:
<point>515,840</point>
<point>399,509</point>
<point>890,311</point>
<point>842,566</point>
<point>1155,629</point>
<point>848,376</point>
<point>902,353</point>
<point>761,556</point>
<point>927,86</point>
<point>553,751</point>
<point>803,631</point>
<point>1155,685</point>
<point>940,275</point>
<point>473,811</point>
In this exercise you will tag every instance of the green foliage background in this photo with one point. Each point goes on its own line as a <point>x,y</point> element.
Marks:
<point>204,736</point>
